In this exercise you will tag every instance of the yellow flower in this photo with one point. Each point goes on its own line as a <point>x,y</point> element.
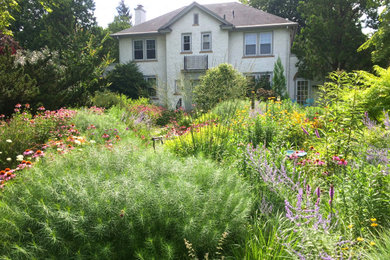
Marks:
<point>374,224</point>
<point>360,239</point>
<point>373,219</point>
<point>350,226</point>
<point>345,248</point>
<point>372,243</point>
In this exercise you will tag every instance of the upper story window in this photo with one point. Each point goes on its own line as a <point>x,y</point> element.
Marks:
<point>144,49</point>
<point>186,42</point>
<point>196,19</point>
<point>206,41</point>
<point>258,44</point>
<point>265,43</point>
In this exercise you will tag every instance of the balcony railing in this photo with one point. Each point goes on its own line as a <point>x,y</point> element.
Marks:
<point>195,62</point>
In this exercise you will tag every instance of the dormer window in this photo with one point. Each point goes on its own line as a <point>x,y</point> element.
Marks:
<point>196,19</point>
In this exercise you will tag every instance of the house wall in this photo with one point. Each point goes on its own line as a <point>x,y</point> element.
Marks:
<point>147,67</point>
<point>281,48</point>
<point>227,46</point>
<point>175,57</point>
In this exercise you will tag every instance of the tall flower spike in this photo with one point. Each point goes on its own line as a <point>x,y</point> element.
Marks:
<point>331,191</point>
<point>318,192</point>
<point>317,134</point>
<point>304,130</point>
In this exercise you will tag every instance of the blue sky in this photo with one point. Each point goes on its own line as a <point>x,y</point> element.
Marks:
<point>105,9</point>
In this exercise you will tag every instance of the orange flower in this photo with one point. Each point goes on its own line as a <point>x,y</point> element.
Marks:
<point>7,169</point>
<point>374,224</point>
<point>28,163</point>
<point>2,172</point>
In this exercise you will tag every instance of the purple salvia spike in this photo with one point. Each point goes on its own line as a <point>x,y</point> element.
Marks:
<point>318,192</point>
<point>331,192</point>
<point>317,134</point>
<point>304,130</point>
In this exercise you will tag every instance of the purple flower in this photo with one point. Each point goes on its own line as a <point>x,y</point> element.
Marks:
<point>318,192</point>
<point>317,134</point>
<point>304,130</point>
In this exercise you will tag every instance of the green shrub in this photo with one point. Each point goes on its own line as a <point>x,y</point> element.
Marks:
<point>279,80</point>
<point>123,203</point>
<point>219,84</point>
<point>128,80</point>
<point>108,99</point>
<point>376,98</point>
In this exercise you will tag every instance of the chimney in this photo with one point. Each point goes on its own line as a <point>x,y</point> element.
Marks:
<point>140,15</point>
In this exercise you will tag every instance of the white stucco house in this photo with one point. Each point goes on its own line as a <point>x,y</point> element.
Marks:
<point>174,49</point>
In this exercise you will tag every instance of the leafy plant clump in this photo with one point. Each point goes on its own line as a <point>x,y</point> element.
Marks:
<point>219,84</point>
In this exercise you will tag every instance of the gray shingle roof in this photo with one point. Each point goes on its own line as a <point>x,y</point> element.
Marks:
<point>244,17</point>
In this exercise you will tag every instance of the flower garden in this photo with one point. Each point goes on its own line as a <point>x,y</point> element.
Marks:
<point>278,180</point>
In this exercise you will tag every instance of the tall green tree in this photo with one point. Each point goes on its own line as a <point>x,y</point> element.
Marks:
<point>36,26</point>
<point>121,21</point>
<point>279,80</point>
<point>283,8</point>
<point>331,36</point>
<point>380,40</point>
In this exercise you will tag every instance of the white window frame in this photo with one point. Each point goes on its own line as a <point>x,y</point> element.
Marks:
<point>182,42</point>
<point>271,47</point>
<point>245,44</point>
<point>145,50</point>
<point>258,44</point>
<point>147,78</point>
<point>300,101</point>
<point>210,41</point>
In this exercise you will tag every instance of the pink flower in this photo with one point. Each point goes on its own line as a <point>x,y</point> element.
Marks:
<point>336,158</point>
<point>41,108</point>
<point>105,136</point>
<point>342,162</point>
<point>28,152</point>
<point>18,105</point>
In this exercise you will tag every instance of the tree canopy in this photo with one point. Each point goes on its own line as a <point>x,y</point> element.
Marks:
<point>36,26</point>
<point>380,40</point>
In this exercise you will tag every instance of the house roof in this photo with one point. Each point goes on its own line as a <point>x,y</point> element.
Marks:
<point>232,15</point>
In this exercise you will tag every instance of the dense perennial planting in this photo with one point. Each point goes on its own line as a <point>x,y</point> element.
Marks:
<point>267,181</point>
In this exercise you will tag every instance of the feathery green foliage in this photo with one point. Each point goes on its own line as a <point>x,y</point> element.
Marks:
<point>125,203</point>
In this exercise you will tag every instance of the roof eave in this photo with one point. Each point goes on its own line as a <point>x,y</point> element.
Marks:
<point>271,25</point>
<point>117,35</point>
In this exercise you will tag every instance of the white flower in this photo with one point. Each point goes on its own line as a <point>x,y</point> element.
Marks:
<point>20,157</point>
<point>92,141</point>
<point>9,159</point>
<point>1,152</point>
<point>77,142</point>
<point>8,141</point>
